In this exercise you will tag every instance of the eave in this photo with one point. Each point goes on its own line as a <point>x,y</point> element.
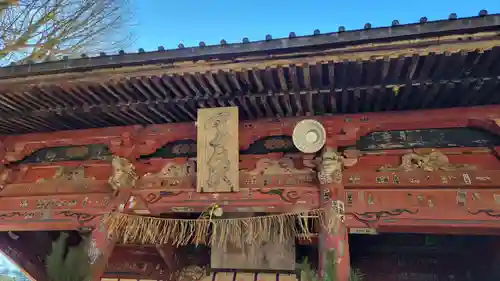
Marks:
<point>431,65</point>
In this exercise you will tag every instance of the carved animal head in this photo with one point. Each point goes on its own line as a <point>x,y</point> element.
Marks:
<point>330,161</point>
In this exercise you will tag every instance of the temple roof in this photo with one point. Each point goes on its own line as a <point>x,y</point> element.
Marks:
<point>439,64</point>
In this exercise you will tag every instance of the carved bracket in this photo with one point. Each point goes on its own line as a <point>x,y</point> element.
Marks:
<point>330,165</point>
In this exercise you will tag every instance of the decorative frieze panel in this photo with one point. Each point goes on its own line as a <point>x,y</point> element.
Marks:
<point>438,138</point>
<point>371,207</point>
<point>47,220</point>
<point>56,202</point>
<point>79,145</point>
<point>454,179</point>
<point>432,161</point>
<point>69,153</point>
<point>32,180</point>
<point>265,185</point>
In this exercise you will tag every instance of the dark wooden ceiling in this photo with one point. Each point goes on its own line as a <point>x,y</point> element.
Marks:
<point>359,71</point>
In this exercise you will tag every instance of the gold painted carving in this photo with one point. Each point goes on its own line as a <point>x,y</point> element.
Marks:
<point>123,174</point>
<point>430,162</point>
<point>217,150</point>
<point>330,165</point>
<point>73,175</point>
<point>285,165</point>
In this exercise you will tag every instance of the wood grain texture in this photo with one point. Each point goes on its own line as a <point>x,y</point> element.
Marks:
<point>265,256</point>
<point>217,150</point>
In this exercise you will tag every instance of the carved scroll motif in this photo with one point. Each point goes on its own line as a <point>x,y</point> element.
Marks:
<point>330,166</point>
<point>277,167</point>
<point>217,150</point>
<point>430,162</point>
<point>73,175</point>
<point>123,174</point>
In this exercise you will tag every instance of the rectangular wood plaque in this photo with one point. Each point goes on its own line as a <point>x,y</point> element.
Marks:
<point>217,150</point>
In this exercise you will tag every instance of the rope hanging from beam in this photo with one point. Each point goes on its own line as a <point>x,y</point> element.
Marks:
<point>215,231</point>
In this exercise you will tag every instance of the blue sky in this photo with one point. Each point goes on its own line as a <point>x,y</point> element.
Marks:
<point>167,23</point>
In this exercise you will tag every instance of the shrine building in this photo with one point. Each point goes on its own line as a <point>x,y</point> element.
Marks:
<point>238,161</point>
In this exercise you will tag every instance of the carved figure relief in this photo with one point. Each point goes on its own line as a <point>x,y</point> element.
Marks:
<point>282,166</point>
<point>75,175</point>
<point>218,150</point>
<point>330,166</point>
<point>430,162</point>
<point>123,174</point>
<point>172,170</point>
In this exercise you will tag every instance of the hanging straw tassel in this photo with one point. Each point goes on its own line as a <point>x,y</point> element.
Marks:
<point>237,231</point>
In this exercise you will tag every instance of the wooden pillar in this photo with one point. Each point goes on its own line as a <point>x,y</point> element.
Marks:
<point>100,249</point>
<point>102,242</point>
<point>336,240</point>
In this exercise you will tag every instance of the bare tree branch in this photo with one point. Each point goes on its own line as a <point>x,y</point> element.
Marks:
<point>38,30</point>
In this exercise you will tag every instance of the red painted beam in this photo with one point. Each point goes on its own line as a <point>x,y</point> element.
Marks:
<point>341,130</point>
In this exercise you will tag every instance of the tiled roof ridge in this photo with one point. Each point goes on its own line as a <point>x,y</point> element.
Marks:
<point>316,39</point>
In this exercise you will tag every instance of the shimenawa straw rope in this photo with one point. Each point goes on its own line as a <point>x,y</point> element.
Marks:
<point>237,231</point>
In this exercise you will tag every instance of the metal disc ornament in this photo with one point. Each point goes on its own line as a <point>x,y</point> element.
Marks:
<point>309,136</point>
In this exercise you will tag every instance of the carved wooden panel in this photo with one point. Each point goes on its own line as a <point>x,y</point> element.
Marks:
<point>217,150</point>
<point>118,140</point>
<point>421,207</point>
<point>452,179</point>
<point>458,159</point>
<point>136,262</point>
<point>438,138</point>
<point>56,202</point>
<point>69,153</point>
<point>271,144</point>
<point>174,149</point>
<point>70,177</point>
<point>268,183</point>
<point>265,256</point>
